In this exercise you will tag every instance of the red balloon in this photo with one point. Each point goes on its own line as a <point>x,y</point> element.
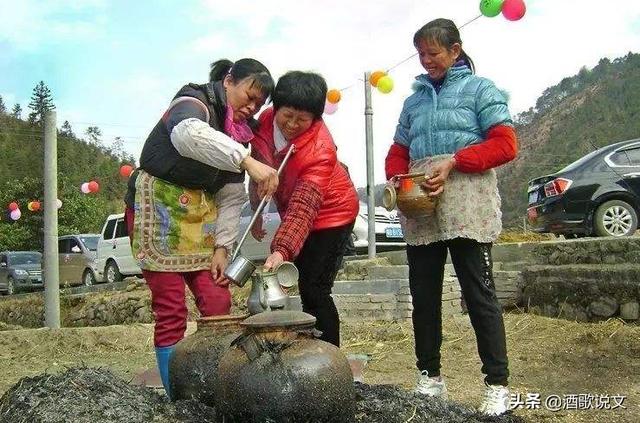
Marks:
<point>513,10</point>
<point>13,206</point>
<point>35,205</point>
<point>93,186</point>
<point>126,170</point>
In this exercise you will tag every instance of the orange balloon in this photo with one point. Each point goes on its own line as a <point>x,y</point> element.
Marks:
<point>35,205</point>
<point>333,96</point>
<point>375,77</point>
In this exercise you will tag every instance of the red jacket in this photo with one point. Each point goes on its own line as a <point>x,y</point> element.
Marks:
<point>315,161</point>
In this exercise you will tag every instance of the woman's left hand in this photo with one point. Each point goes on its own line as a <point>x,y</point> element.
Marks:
<point>273,261</point>
<point>218,265</point>
<point>439,174</point>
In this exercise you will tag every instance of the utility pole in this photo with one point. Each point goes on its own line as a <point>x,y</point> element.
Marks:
<point>371,209</point>
<point>51,275</point>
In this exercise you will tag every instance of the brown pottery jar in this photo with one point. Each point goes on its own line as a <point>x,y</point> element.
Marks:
<point>410,197</point>
<point>278,371</point>
<point>192,369</point>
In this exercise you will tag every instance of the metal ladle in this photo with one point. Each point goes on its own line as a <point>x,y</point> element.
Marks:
<point>241,268</point>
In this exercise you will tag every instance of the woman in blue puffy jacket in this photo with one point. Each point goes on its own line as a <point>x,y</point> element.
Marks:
<point>455,128</point>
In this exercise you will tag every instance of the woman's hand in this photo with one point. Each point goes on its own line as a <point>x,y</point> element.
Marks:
<point>439,174</point>
<point>257,230</point>
<point>273,261</point>
<point>265,176</point>
<point>218,265</point>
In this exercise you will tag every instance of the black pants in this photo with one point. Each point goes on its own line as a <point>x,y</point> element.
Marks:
<point>318,263</point>
<point>473,266</point>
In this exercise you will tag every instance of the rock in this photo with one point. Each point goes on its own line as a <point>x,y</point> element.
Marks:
<point>604,307</point>
<point>630,311</point>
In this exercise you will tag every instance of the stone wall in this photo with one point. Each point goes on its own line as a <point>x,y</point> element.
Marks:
<point>583,292</point>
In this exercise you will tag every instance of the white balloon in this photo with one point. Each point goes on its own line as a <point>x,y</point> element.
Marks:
<point>58,203</point>
<point>85,188</point>
<point>15,214</point>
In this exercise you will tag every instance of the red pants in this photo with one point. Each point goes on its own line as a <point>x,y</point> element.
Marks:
<point>168,301</point>
<point>168,297</point>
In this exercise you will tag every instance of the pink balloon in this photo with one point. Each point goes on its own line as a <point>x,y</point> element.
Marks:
<point>513,10</point>
<point>15,214</point>
<point>330,108</point>
<point>85,188</point>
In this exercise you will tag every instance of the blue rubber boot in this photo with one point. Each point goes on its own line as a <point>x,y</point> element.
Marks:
<point>163,355</point>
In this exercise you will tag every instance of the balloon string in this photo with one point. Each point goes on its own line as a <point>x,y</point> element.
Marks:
<point>415,54</point>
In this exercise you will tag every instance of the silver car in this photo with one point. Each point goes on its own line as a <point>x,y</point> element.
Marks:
<point>77,259</point>
<point>20,270</point>
<point>388,231</point>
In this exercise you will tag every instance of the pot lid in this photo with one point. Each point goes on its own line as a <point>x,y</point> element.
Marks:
<point>290,319</point>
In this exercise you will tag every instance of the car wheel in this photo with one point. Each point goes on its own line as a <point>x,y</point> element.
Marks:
<point>615,218</point>
<point>88,278</point>
<point>112,273</point>
<point>11,286</point>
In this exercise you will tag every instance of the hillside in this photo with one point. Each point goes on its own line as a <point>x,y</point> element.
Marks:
<point>21,180</point>
<point>589,110</point>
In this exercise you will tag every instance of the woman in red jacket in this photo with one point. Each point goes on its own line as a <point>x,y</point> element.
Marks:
<point>316,199</point>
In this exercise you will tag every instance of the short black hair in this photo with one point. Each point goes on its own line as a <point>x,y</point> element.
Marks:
<point>305,91</point>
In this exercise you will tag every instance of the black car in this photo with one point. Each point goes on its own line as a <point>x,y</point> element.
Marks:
<point>599,194</point>
<point>20,270</point>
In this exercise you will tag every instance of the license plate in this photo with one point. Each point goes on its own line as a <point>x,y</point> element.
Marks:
<point>532,214</point>
<point>533,197</point>
<point>394,232</point>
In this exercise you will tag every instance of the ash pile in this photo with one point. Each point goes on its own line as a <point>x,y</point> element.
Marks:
<point>93,395</point>
<point>96,395</point>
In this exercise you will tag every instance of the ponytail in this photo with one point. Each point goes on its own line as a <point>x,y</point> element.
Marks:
<point>220,69</point>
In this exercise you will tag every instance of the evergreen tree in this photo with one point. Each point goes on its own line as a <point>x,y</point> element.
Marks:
<point>93,134</point>
<point>3,108</point>
<point>66,130</point>
<point>17,111</point>
<point>41,102</point>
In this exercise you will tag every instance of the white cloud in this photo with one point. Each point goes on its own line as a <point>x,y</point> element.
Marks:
<point>26,24</point>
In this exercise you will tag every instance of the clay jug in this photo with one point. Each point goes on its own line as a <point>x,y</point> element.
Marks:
<point>409,196</point>
<point>278,371</point>
<point>192,369</point>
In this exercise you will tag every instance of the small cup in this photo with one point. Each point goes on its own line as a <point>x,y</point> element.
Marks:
<point>287,274</point>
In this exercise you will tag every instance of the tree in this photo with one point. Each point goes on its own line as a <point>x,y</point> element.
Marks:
<point>3,108</point>
<point>41,102</point>
<point>66,130</point>
<point>93,134</point>
<point>17,111</point>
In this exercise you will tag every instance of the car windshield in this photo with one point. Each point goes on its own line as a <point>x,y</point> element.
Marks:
<point>25,258</point>
<point>91,242</point>
<point>580,161</point>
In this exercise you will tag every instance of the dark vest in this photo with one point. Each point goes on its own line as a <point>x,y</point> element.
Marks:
<point>160,158</point>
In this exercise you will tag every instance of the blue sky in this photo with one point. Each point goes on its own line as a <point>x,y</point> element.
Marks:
<point>116,64</point>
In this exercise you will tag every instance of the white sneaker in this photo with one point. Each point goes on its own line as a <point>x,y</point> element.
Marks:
<point>432,386</point>
<point>496,400</point>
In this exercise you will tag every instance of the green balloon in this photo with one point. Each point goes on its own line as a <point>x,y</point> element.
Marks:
<point>491,8</point>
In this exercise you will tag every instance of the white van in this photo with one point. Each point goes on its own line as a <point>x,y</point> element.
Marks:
<point>114,259</point>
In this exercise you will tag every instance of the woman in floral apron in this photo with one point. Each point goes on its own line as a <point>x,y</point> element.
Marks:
<point>183,203</point>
